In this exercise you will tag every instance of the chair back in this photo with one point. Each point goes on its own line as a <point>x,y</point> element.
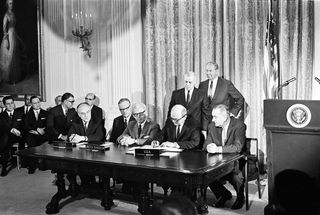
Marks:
<point>251,147</point>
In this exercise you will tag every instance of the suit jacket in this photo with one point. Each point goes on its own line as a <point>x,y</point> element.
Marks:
<point>225,93</point>
<point>235,139</point>
<point>58,123</point>
<point>21,109</point>
<point>94,131</point>
<point>118,127</point>
<point>6,123</point>
<point>30,122</point>
<point>96,112</point>
<point>195,107</point>
<point>188,138</point>
<point>148,133</point>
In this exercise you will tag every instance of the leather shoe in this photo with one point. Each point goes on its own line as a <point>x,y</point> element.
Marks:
<point>4,172</point>
<point>238,203</point>
<point>222,200</point>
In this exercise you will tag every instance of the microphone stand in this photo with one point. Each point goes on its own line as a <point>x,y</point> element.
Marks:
<point>284,84</point>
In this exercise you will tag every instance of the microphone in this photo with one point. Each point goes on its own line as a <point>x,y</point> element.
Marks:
<point>288,82</point>
<point>317,79</point>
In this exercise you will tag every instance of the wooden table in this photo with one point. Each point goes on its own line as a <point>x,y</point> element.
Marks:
<point>189,169</point>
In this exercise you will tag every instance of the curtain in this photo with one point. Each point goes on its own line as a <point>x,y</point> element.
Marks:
<point>183,35</point>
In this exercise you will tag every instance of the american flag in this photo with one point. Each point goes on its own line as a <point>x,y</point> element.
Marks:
<point>271,57</point>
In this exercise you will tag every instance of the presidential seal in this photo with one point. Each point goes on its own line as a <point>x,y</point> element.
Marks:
<point>298,115</point>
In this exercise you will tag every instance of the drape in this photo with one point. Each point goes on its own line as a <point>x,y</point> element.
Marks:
<point>183,35</point>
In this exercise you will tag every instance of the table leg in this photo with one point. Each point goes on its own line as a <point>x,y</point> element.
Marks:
<point>143,197</point>
<point>107,200</point>
<point>53,206</point>
<point>199,199</point>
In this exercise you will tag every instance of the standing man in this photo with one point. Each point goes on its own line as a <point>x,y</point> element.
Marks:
<point>121,122</point>
<point>189,97</point>
<point>57,100</point>
<point>180,131</point>
<point>10,130</point>
<point>219,91</point>
<point>96,111</point>
<point>226,135</point>
<point>27,105</point>
<point>60,118</point>
<point>59,122</point>
<point>34,124</point>
<point>142,130</point>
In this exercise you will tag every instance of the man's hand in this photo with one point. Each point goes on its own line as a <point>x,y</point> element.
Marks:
<point>212,148</point>
<point>155,144</point>
<point>64,137</point>
<point>40,131</point>
<point>33,132</point>
<point>126,141</point>
<point>77,138</point>
<point>16,132</point>
<point>170,145</point>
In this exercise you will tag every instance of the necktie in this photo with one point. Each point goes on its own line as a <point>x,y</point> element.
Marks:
<point>65,113</point>
<point>36,114</point>
<point>223,136</point>
<point>177,131</point>
<point>125,122</point>
<point>10,115</point>
<point>139,130</point>
<point>85,125</point>
<point>188,97</point>
<point>211,88</point>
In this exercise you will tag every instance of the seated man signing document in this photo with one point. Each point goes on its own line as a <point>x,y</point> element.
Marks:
<point>226,135</point>
<point>141,131</point>
<point>180,130</point>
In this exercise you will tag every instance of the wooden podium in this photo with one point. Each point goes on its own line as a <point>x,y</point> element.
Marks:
<point>293,140</point>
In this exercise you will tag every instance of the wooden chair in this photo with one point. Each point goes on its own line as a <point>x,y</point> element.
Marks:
<point>252,159</point>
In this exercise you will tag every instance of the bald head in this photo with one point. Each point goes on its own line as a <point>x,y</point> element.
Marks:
<point>178,114</point>
<point>84,111</point>
<point>90,98</point>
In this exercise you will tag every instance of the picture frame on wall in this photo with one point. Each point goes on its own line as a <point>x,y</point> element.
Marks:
<point>21,48</point>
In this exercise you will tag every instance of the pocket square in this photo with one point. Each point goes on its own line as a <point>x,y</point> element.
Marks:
<point>19,119</point>
<point>43,118</point>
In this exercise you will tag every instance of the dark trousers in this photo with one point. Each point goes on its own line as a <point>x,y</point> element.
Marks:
<point>6,142</point>
<point>235,178</point>
<point>32,141</point>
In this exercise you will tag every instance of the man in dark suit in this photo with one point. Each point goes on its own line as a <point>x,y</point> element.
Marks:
<point>226,135</point>
<point>142,130</point>
<point>60,118</point>
<point>121,122</point>
<point>24,109</point>
<point>10,130</point>
<point>180,130</point>
<point>34,124</point>
<point>86,128</point>
<point>189,97</point>
<point>219,91</point>
<point>59,122</point>
<point>96,111</point>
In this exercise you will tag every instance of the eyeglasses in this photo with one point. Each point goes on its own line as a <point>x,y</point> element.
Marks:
<point>72,101</point>
<point>176,120</point>
<point>122,109</point>
<point>88,99</point>
<point>138,114</point>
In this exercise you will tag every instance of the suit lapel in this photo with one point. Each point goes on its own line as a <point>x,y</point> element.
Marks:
<point>217,91</point>
<point>144,129</point>
<point>135,130</point>
<point>229,129</point>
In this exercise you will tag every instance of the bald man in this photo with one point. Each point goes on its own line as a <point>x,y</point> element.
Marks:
<point>87,127</point>
<point>141,131</point>
<point>180,131</point>
<point>219,91</point>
